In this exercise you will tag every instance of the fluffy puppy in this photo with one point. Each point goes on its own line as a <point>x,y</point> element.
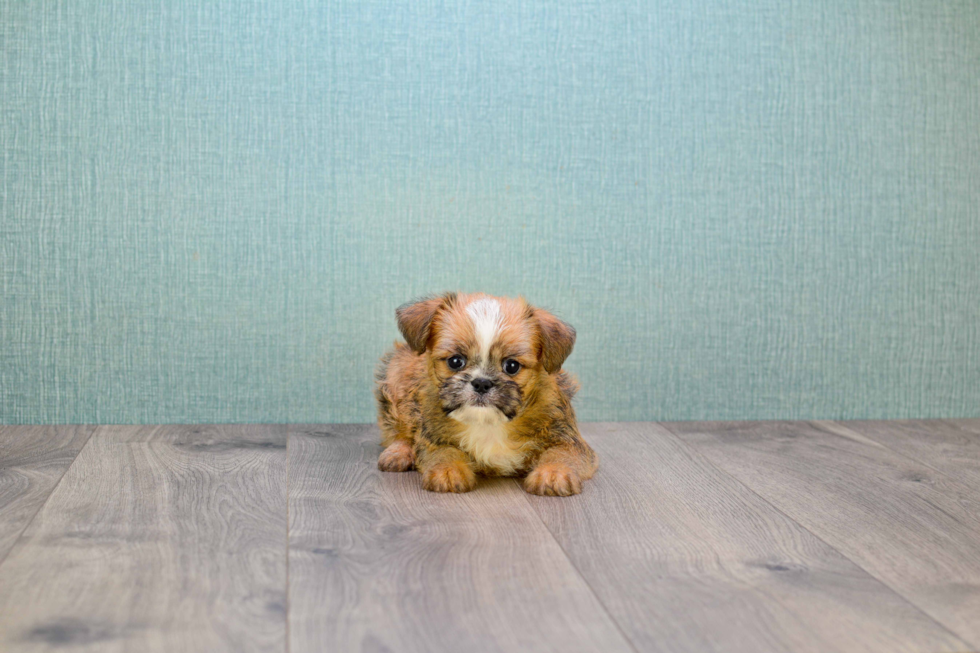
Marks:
<point>477,388</point>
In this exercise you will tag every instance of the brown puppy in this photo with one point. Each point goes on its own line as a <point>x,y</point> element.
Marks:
<point>479,389</point>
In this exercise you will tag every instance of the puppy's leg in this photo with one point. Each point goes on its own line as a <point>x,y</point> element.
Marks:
<point>397,456</point>
<point>444,468</point>
<point>396,435</point>
<point>560,470</point>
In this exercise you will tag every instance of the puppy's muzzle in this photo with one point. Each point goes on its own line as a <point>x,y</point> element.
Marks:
<point>482,385</point>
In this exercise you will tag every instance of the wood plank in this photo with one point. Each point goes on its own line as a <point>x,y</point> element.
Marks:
<point>687,559</point>
<point>971,424</point>
<point>32,461</point>
<point>156,539</point>
<point>882,510</point>
<point>377,563</point>
<point>944,445</point>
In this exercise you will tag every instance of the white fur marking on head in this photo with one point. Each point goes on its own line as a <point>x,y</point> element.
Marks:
<point>487,319</point>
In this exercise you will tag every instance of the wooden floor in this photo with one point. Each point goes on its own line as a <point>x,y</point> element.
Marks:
<point>765,536</point>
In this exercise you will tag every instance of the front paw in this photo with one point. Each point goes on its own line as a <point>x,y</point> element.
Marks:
<point>448,477</point>
<point>553,480</point>
<point>398,457</point>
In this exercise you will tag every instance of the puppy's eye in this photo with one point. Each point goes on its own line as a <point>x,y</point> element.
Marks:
<point>456,362</point>
<point>511,366</point>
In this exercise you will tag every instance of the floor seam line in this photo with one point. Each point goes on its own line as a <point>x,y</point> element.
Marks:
<point>950,478</point>
<point>916,461</point>
<point>917,608</point>
<point>48,498</point>
<point>619,628</point>
<point>288,431</point>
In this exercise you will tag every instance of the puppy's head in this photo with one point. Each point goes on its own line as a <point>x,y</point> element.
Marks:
<point>488,356</point>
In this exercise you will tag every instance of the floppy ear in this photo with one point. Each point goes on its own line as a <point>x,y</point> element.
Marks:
<point>415,319</point>
<point>557,340</point>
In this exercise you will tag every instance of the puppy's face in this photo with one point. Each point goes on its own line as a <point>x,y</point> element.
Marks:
<point>487,355</point>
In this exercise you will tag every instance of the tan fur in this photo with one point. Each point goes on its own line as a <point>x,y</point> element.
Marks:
<point>397,457</point>
<point>448,444</point>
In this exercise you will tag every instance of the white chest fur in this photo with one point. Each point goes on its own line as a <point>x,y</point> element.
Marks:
<point>486,439</point>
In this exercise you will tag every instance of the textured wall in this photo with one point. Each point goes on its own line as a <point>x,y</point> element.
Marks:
<point>748,209</point>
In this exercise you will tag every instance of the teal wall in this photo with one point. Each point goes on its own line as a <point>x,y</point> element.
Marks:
<point>748,209</point>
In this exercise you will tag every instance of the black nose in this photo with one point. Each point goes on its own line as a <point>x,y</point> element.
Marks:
<point>482,385</point>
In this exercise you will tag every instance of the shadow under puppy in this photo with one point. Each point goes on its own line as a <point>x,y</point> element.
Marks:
<point>478,388</point>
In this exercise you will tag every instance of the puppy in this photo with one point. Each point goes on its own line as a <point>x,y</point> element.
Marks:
<point>479,389</point>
